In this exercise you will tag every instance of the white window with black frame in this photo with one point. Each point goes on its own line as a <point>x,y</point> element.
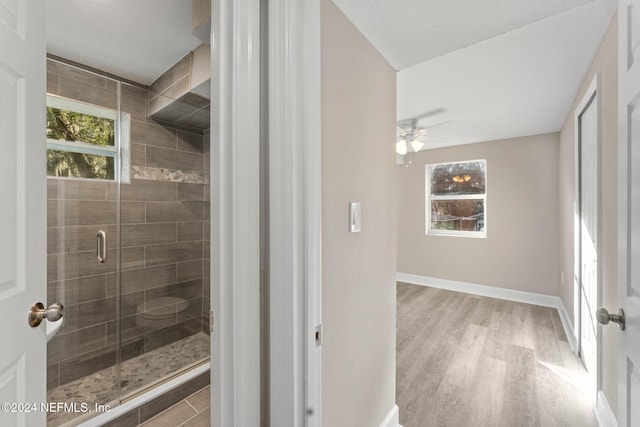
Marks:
<point>456,196</point>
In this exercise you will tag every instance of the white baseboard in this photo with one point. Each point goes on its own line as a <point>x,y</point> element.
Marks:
<point>392,419</point>
<point>568,327</point>
<point>603,412</point>
<point>500,293</point>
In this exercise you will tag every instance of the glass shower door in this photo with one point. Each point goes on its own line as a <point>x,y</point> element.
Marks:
<point>164,239</point>
<point>82,202</point>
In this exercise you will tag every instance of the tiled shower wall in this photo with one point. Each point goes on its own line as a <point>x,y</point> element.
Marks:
<point>164,238</point>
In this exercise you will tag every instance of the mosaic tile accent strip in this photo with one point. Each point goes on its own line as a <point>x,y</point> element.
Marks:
<point>100,387</point>
<point>170,175</point>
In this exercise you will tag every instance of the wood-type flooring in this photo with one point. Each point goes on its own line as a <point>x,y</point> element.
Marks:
<point>466,361</point>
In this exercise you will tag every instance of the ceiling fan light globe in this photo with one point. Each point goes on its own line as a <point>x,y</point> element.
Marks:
<point>417,145</point>
<point>401,147</point>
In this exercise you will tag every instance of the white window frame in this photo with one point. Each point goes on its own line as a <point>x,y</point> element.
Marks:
<point>429,198</point>
<point>119,151</point>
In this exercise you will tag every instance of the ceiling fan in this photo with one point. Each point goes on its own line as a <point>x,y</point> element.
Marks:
<point>410,135</point>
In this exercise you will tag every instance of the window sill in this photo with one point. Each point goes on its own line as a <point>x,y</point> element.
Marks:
<point>472,234</point>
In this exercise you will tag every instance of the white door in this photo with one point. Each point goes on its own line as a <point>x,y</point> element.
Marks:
<point>22,210</point>
<point>587,125</point>
<point>629,208</point>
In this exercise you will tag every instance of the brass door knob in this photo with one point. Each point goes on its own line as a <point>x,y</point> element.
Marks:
<point>39,313</point>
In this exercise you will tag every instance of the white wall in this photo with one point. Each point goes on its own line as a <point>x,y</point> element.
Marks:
<point>358,164</point>
<point>520,251</point>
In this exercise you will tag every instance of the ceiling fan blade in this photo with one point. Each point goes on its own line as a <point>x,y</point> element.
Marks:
<point>425,137</point>
<point>407,122</point>
<point>439,124</point>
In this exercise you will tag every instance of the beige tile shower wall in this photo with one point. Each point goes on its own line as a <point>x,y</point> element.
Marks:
<point>162,238</point>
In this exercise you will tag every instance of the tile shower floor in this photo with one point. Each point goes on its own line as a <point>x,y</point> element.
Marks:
<point>100,388</point>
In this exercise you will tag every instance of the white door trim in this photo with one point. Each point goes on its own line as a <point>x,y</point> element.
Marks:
<point>295,212</point>
<point>577,267</point>
<point>235,191</point>
<point>592,93</point>
<point>603,412</point>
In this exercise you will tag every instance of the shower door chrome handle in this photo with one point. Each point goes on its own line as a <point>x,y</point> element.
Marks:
<point>38,313</point>
<point>102,247</point>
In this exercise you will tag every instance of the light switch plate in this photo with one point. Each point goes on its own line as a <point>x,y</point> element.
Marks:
<point>355,217</point>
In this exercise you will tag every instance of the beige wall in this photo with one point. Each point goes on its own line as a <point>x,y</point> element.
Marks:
<point>521,248</point>
<point>359,296</point>
<point>605,63</point>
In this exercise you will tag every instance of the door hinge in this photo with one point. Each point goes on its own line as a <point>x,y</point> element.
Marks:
<point>212,321</point>
<point>319,335</point>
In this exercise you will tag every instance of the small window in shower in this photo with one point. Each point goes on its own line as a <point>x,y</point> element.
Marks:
<point>83,140</point>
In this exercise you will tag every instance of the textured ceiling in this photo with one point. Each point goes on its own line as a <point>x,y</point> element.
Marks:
<point>408,32</point>
<point>485,69</point>
<point>519,83</point>
<point>135,39</point>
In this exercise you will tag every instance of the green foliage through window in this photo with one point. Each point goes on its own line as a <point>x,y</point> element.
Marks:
<point>79,165</point>
<point>71,126</point>
<point>75,160</point>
